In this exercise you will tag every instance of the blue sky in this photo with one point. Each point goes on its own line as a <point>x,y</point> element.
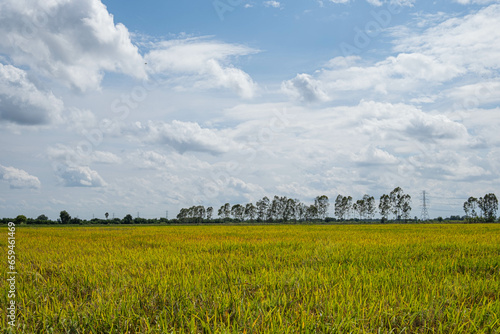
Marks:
<point>126,107</point>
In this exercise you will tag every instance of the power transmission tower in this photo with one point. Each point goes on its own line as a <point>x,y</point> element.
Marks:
<point>425,214</point>
<point>166,214</point>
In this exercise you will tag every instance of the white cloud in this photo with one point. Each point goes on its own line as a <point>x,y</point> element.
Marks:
<point>409,124</point>
<point>370,155</point>
<point>184,136</point>
<point>74,42</point>
<point>78,176</point>
<point>405,73</point>
<point>446,52</point>
<point>449,165</point>
<point>204,62</point>
<point>304,88</point>
<point>74,156</point>
<point>21,102</point>
<point>18,178</point>
<point>274,4</point>
<point>475,95</point>
<point>469,44</point>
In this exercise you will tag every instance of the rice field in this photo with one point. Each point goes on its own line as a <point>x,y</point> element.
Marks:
<point>257,279</point>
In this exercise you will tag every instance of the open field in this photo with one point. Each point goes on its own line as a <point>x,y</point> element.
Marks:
<point>257,279</point>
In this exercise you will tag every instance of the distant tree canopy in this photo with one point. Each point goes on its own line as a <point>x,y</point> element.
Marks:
<point>488,205</point>
<point>396,203</point>
<point>280,208</point>
<point>65,217</point>
<point>283,209</point>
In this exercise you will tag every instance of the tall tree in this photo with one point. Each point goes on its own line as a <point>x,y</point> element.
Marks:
<point>106,215</point>
<point>322,204</point>
<point>225,210</point>
<point>406,206</point>
<point>250,211</point>
<point>359,207</point>
<point>343,206</point>
<point>369,204</point>
<point>311,212</point>
<point>237,211</point>
<point>385,206</point>
<point>488,206</point>
<point>200,212</point>
<point>290,209</point>
<point>277,207</point>
<point>263,208</point>
<point>470,207</point>
<point>210,211</point>
<point>300,210</point>
<point>65,217</point>
<point>396,204</point>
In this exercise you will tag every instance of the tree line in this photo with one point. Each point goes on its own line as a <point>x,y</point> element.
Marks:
<point>396,204</point>
<point>284,209</point>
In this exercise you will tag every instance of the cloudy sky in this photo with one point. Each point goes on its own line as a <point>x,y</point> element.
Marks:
<point>128,106</point>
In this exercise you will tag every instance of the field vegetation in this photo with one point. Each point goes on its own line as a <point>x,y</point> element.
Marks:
<point>258,279</point>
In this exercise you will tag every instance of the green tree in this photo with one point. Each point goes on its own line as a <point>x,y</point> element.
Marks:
<point>322,203</point>
<point>225,211</point>
<point>263,208</point>
<point>385,206</point>
<point>210,211</point>
<point>369,206</point>
<point>396,204</point>
<point>359,207</point>
<point>128,219</point>
<point>343,206</point>
<point>470,207</point>
<point>42,217</point>
<point>65,217</point>
<point>311,212</point>
<point>250,211</point>
<point>406,206</point>
<point>20,220</point>
<point>106,215</point>
<point>300,210</point>
<point>237,211</point>
<point>489,206</point>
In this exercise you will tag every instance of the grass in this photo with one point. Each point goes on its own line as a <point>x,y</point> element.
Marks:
<point>257,279</point>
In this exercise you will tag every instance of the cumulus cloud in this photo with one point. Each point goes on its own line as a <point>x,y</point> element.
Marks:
<point>303,87</point>
<point>469,44</point>
<point>184,136</point>
<point>78,176</point>
<point>21,102</point>
<point>449,165</point>
<point>408,123</point>
<point>74,156</point>
<point>74,42</point>
<point>204,62</point>
<point>439,52</point>
<point>18,178</point>
<point>370,156</point>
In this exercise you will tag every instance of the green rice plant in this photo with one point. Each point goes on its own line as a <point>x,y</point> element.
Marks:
<point>257,279</point>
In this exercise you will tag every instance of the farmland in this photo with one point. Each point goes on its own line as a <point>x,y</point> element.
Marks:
<point>258,279</point>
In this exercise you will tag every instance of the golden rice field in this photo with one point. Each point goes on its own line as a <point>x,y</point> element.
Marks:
<point>257,279</point>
